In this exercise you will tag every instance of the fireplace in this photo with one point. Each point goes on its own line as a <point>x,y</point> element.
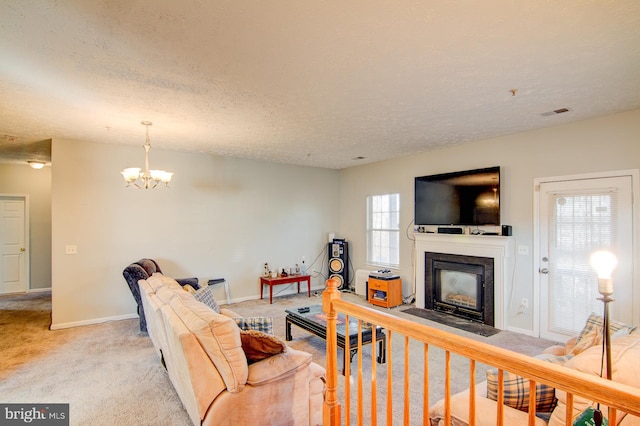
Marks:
<point>460,285</point>
<point>498,248</point>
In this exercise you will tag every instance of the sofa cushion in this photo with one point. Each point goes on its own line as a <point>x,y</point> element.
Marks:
<point>205,296</point>
<point>516,388</point>
<point>625,352</point>
<point>258,345</point>
<point>277,367</point>
<point>219,336</point>
<point>263,324</point>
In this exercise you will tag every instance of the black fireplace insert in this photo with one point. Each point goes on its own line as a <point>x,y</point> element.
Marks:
<point>460,285</point>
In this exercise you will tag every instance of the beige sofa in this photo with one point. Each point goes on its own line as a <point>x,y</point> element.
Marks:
<point>582,353</point>
<point>223,375</point>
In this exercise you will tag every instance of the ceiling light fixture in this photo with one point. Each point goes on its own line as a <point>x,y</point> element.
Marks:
<point>149,179</point>
<point>36,164</point>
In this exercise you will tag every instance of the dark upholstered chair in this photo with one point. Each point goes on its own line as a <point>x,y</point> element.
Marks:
<point>141,270</point>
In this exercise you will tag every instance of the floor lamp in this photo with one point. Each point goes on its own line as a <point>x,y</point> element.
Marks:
<point>604,262</point>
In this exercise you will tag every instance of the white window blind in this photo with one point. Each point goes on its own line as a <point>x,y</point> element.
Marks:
<point>580,224</point>
<point>383,230</point>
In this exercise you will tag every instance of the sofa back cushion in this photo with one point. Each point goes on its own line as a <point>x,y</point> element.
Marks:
<point>625,353</point>
<point>219,336</point>
<point>192,373</point>
<point>158,280</point>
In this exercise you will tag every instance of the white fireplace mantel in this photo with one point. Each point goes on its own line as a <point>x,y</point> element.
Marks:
<point>501,249</point>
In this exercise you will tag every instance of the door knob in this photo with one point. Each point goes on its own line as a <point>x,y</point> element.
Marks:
<point>22,249</point>
<point>543,270</point>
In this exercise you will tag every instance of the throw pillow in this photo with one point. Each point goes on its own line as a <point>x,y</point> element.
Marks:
<point>263,324</point>
<point>516,388</point>
<point>205,296</point>
<point>258,345</point>
<point>591,334</point>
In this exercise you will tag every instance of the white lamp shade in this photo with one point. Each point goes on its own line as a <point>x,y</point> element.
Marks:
<point>166,177</point>
<point>131,174</point>
<point>156,174</point>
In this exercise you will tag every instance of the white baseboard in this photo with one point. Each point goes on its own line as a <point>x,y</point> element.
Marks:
<point>521,331</point>
<point>39,290</point>
<point>92,321</point>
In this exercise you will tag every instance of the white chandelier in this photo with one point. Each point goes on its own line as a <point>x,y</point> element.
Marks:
<point>148,179</point>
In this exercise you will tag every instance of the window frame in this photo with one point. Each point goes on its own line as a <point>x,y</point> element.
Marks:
<point>370,229</point>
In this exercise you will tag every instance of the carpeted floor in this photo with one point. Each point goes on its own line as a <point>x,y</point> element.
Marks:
<point>110,374</point>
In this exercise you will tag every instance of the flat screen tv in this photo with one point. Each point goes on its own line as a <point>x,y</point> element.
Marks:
<point>466,198</point>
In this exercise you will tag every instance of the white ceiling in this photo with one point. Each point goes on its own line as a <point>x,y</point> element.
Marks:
<point>315,83</point>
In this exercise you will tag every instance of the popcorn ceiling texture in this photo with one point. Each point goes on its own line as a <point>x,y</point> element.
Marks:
<point>310,83</point>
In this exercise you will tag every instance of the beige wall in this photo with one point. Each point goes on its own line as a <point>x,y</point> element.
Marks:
<point>221,217</point>
<point>23,180</point>
<point>603,144</point>
<point>226,217</point>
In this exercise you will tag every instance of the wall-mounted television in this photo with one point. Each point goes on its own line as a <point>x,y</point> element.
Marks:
<point>466,198</point>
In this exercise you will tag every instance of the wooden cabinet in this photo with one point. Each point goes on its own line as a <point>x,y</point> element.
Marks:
<point>385,293</point>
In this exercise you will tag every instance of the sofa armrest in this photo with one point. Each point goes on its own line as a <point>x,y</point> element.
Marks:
<point>193,282</point>
<point>229,313</point>
<point>278,367</point>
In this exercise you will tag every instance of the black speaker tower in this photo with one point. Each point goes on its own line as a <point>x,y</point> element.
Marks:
<point>339,262</point>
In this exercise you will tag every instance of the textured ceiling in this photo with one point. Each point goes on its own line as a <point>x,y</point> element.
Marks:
<point>315,83</point>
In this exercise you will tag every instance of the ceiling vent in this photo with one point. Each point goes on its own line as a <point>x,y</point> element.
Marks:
<point>555,111</point>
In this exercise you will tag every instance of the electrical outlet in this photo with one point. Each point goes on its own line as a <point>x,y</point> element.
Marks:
<point>525,303</point>
<point>71,249</point>
<point>523,250</point>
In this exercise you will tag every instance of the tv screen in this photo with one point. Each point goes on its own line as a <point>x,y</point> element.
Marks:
<point>469,197</point>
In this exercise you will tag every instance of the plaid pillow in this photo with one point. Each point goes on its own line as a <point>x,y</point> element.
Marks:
<point>591,334</point>
<point>263,324</point>
<point>205,296</point>
<point>516,388</point>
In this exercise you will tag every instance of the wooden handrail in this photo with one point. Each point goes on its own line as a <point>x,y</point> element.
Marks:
<point>612,394</point>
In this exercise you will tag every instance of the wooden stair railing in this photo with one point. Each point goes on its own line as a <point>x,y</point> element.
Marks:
<point>616,396</point>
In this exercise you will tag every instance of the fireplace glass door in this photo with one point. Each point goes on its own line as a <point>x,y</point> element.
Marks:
<point>459,288</point>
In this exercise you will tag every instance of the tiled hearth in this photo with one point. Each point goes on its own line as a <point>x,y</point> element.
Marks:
<point>498,248</point>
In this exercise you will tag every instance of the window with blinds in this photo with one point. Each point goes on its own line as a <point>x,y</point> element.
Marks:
<point>580,224</point>
<point>383,230</point>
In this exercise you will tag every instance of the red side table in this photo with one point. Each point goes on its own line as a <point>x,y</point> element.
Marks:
<point>284,280</point>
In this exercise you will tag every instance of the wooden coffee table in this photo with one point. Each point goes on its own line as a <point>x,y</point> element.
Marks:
<point>315,322</point>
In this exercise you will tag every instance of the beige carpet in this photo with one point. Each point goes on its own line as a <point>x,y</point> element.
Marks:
<point>110,374</point>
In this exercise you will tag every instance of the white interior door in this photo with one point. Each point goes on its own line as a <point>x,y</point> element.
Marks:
<point>13,251</point>
<point>576,218</point>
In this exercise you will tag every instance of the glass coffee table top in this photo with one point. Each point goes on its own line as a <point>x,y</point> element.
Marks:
<point>314,320</point>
